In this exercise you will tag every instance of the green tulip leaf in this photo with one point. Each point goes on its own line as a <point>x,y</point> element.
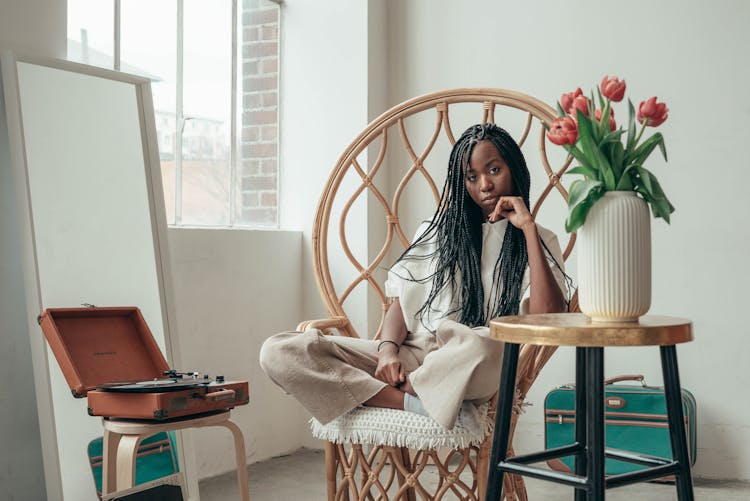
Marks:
<point>583,194</point>
<point>631,127</point>
<point>585,170</point>
<point>642,152</point>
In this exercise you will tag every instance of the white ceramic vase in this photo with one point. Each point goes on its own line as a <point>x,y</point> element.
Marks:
<point>614,259</point>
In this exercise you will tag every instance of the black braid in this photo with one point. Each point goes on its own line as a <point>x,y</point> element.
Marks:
<point>457,230</point>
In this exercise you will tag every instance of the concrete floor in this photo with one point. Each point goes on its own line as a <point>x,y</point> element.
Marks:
<point>301,476</point>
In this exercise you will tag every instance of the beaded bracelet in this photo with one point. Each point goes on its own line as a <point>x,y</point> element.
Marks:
<point>394,343</point>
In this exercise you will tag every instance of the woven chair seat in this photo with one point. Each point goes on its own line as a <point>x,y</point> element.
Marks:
<point>397,428</point>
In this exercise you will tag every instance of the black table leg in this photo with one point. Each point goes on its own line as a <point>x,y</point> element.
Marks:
<point>580,414</point>
<point>506,396</point>
<point>595,423</point>
<point>676,420</point>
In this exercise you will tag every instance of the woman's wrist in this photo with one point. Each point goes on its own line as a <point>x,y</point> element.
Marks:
<point>387,344</point>
<point>529,229</point>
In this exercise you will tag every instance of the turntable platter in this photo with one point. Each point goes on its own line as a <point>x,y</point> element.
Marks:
<point>153,385</point>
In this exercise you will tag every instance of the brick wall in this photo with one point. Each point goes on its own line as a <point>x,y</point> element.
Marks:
<point>258,154</point>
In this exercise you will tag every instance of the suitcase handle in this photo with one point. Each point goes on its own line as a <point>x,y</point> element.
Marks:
<point>626,377</point>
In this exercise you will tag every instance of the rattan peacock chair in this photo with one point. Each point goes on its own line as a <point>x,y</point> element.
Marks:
<point>375,453</point>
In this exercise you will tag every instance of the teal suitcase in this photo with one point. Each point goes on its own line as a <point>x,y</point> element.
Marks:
<point>635,420</point>
<point>156,458</point>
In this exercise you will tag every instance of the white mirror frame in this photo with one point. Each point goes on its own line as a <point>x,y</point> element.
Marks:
<point>33,293</point>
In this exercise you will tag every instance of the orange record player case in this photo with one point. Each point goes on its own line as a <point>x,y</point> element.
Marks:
<point>97,348</point>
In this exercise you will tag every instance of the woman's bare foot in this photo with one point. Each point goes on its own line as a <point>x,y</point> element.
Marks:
<point>406,387</point>
<point>389,397</point>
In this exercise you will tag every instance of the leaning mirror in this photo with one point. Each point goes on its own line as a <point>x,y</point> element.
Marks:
<point>86,164</point>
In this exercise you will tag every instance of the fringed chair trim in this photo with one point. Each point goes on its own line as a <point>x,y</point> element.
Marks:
<point>397,428</point>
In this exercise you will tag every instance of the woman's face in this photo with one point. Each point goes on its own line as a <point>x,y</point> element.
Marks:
<point>487,177</point>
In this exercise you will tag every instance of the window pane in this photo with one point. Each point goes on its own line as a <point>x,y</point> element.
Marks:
<point>91,32</point>
<point>207,82</point>
<point>259,73</point>
<point>148,47</point>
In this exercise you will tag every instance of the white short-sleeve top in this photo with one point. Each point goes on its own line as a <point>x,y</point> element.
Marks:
<point>409,279</point>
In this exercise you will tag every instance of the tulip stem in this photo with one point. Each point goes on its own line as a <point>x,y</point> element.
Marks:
<point>640,133</point>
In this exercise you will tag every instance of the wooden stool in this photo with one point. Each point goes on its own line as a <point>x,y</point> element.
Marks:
<point>590,339</point>
<point>122,437</point>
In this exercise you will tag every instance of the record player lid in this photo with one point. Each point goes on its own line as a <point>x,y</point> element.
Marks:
<point>95,346</point>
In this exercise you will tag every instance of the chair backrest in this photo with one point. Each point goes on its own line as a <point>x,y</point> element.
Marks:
<point>386,185</point>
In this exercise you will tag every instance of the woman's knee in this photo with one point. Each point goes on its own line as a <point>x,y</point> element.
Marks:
<point>279,351</point>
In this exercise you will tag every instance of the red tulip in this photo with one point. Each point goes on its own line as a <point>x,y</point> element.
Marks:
<point>566,101</point>
<point>613,88</point>
<point>563,131</point>
<point>580,103</point>
<point>612,123</point>
<point>652,113</point>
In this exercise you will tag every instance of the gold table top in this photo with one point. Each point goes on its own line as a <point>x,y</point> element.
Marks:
<point>576,329</point>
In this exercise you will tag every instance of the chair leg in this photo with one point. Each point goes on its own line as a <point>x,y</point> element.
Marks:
<point>126,453</point>
<point>595,423</point>
<point>331,464</point>
<point>411,495</point>
<point>676,421</point>
<point>580,412</point>
<point>483,464</point>
<point>111,443</point>
<point>506,396</point>
<point>240,459</point>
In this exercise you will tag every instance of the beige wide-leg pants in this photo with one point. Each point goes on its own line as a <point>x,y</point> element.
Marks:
<point>331,375</point>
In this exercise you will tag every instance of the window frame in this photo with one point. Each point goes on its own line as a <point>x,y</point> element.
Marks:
<point>235,156</point>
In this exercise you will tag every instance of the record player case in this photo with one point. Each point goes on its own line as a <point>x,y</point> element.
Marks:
<point>109,355</point>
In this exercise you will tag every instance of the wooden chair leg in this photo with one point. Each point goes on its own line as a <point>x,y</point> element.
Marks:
<point>483,465</point>
<point>239,452</point>
<point>126,453</point>
<point>331,467</point>
<point>109,459</point>
<point>411,495</point>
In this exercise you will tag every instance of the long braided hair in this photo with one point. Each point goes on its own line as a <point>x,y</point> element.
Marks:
<point>456,228</point>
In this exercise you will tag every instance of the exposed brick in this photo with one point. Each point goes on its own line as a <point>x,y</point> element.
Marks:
<point>251,68</point>
<point>252,101</point>
<point>269,32</point>
<point>255,183</point>
<point>269,166</point>
<point>259,117</point>
<point>250,167</point>
<point>268,199</point>
<point>270,133</point>
<point>260,83</point>
<point>258,216</point>
<point>270,65</point>
<point>251,33</point>
<point>251,199</point>
<point>270,99</point>
<point>260,49</point>
<point>260,16</point>
<point>258,150</point>
<point>250,134</point>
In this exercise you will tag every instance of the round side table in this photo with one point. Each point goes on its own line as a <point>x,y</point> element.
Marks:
<point>590,339</point>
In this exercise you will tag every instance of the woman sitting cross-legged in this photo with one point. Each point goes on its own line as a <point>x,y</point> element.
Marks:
<point>478,257</point>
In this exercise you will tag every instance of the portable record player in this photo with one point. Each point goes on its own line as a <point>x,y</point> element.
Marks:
<point>110,356</point>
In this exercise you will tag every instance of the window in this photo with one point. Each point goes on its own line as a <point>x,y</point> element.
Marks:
<point>214,68</point>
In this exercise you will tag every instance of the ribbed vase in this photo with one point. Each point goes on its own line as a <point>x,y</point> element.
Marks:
<point>614,259</point>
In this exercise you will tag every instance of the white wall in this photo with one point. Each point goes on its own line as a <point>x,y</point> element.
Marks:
<point>21,467</point>
<point>232,290</point>
<point>691,54</point>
